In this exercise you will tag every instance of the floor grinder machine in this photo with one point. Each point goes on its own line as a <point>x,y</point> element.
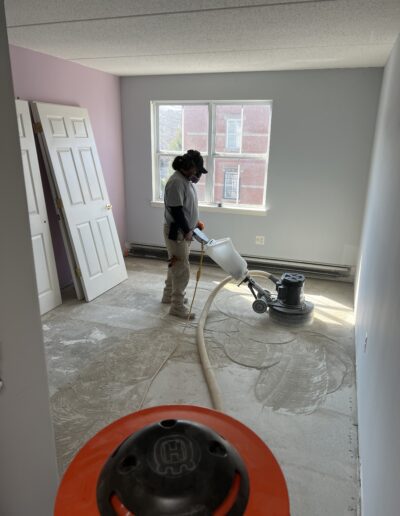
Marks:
<point>174,460</point>
<point>287,305</point>
<point>183,460</point>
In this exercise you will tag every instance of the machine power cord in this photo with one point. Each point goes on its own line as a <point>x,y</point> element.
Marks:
<point>198,275</point>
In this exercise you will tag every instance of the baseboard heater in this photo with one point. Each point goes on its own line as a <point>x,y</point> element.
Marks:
<point>309,269</point>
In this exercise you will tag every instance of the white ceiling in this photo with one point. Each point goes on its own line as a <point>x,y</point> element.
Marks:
<point>147,37</point>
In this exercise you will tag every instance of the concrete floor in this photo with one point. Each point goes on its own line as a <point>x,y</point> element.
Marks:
<point>294,386</point>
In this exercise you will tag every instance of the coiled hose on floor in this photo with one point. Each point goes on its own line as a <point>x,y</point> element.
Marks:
<point>209,375</point>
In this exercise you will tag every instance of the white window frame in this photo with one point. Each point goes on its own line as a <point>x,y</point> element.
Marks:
<point>211,154</point>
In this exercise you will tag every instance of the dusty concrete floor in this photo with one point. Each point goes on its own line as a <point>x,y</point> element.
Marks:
<point>295,387</point>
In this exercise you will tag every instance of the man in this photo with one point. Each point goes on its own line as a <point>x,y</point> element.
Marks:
<point>181,217</point>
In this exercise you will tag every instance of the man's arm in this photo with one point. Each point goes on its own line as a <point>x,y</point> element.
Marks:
<point>180,220</point>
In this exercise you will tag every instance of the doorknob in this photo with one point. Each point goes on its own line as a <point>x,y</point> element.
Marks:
<point>108,206</point>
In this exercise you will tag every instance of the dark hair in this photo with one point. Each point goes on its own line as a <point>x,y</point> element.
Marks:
<point>184,162</point>
<point>192,158</point>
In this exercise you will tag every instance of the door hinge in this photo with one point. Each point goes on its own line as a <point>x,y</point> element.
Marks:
<point>78,272</point>
<point>37,127</point>
<point>59,203</point>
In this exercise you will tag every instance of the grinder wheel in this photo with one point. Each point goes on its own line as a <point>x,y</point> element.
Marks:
<point>291,315</point>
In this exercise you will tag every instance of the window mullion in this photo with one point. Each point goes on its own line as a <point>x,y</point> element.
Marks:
<point>183,129</point>
<point>233,155</point>
<point>238,183</point>
<point>267,162</point>
<point>241,131</point>
<point>170,153</point>
<point>156,151</point>
<point>210,175</point>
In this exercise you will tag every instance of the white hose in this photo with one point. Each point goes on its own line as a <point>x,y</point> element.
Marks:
<point>209,375</point>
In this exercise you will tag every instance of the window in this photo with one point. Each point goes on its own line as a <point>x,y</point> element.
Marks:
<point>233,138</point>
<point>231,184</point>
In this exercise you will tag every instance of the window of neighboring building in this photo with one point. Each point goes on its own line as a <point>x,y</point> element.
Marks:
<point>233,138</point>
<point>231,184</point>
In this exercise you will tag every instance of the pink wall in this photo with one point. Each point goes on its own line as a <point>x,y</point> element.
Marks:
<point>48,79</point>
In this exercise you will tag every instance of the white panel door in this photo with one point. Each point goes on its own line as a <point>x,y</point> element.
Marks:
<point>85,205</point>
<point>45,267</point>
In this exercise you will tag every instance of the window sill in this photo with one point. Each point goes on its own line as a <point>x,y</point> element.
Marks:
<point>222,209</point>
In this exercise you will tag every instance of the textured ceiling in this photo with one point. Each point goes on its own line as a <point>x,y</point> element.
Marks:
<point>146,37</point>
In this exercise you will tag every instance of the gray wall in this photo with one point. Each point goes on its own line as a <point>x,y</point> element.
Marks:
<point>28,473</point>
<point>378,312</point>
<point>321,138</point>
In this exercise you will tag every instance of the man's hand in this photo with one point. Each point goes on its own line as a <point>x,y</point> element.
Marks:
<point>200,225</point>
<point>189,236</point>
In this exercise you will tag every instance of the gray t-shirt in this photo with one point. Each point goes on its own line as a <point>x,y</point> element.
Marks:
<point>180,191</point>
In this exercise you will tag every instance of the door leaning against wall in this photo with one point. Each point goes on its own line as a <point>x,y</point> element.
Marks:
<point>43,254</point>
<point>82,195</point>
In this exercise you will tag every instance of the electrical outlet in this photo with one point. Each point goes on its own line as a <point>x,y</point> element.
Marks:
<point>259,240</point>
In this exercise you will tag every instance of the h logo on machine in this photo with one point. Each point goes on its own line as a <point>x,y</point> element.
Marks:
<point>175,455</point>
